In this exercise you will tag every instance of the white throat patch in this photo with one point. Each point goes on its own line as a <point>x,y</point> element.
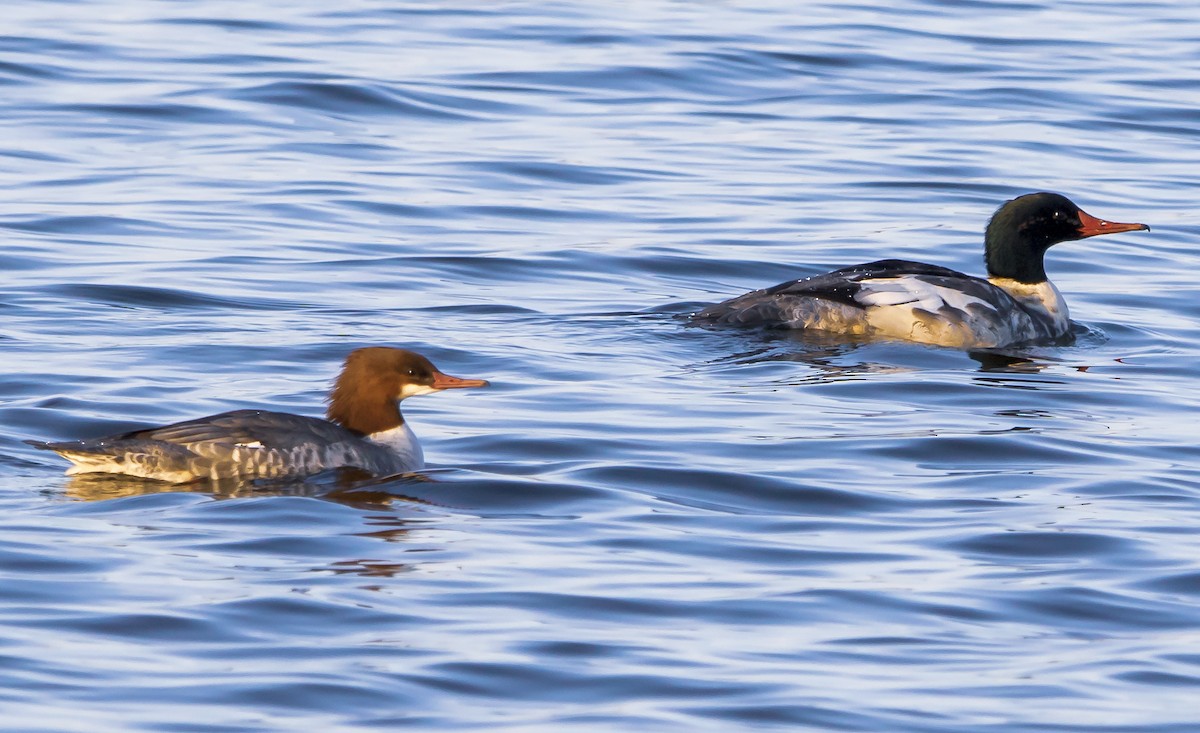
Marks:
<point>414,390</point>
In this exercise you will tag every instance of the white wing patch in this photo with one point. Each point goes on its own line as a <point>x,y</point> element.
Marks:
<point>916,293</point>
<point>962,301</point>
<point>909,307</point>
<point>884,293</point>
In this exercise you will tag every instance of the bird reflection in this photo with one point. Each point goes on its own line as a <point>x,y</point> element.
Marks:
<point>387,511</point>
<point>349,486</point>
<point>837,357</point>
<point>995,365</point>
<point>370,568</point>
<point>1010,363</point>
<point>824,353</point>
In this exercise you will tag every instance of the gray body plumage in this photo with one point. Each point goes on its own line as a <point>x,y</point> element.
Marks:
<point>904,300</point>
<point>242,444</point>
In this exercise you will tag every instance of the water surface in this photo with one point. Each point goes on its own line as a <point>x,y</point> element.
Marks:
<point>640,526</point>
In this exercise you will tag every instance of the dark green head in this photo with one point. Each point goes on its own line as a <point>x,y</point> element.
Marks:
<point>1023,229</point>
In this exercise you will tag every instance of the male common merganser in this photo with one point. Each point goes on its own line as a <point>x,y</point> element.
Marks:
<point>934,305</point>
<point>365,430</point>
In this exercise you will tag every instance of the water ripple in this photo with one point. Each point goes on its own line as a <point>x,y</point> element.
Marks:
<point>641,525</point>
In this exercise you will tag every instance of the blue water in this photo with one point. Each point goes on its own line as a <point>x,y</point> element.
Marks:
<point>641,526</point>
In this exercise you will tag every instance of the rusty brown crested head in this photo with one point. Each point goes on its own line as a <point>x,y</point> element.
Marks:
<point>366,395</point>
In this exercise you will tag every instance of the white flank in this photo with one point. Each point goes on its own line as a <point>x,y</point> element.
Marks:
<point>949,317</point>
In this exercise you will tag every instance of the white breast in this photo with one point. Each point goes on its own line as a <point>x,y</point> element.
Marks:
<point>1041,298</point>
<point>403,442</point>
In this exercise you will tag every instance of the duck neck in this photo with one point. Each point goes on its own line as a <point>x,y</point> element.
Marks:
<point>401,441</point>
<point>1015,258</point>
<point>363,414</point>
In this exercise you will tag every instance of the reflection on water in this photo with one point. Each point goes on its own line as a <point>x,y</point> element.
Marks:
<point>369,568</point>
<point>349,486</point>
<point>997,361</point>
<point>831,358</point>
<point>828,357</point>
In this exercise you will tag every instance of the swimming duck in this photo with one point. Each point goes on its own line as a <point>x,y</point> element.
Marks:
<point>364,430</point>
<point>914,301</point>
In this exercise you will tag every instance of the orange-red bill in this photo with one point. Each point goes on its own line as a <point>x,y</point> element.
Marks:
<point>445,381</point>
<point>1090,226</point>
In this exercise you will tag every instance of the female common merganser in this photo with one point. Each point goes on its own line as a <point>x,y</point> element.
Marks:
<point>365,430</point>
<point>934,305</point>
